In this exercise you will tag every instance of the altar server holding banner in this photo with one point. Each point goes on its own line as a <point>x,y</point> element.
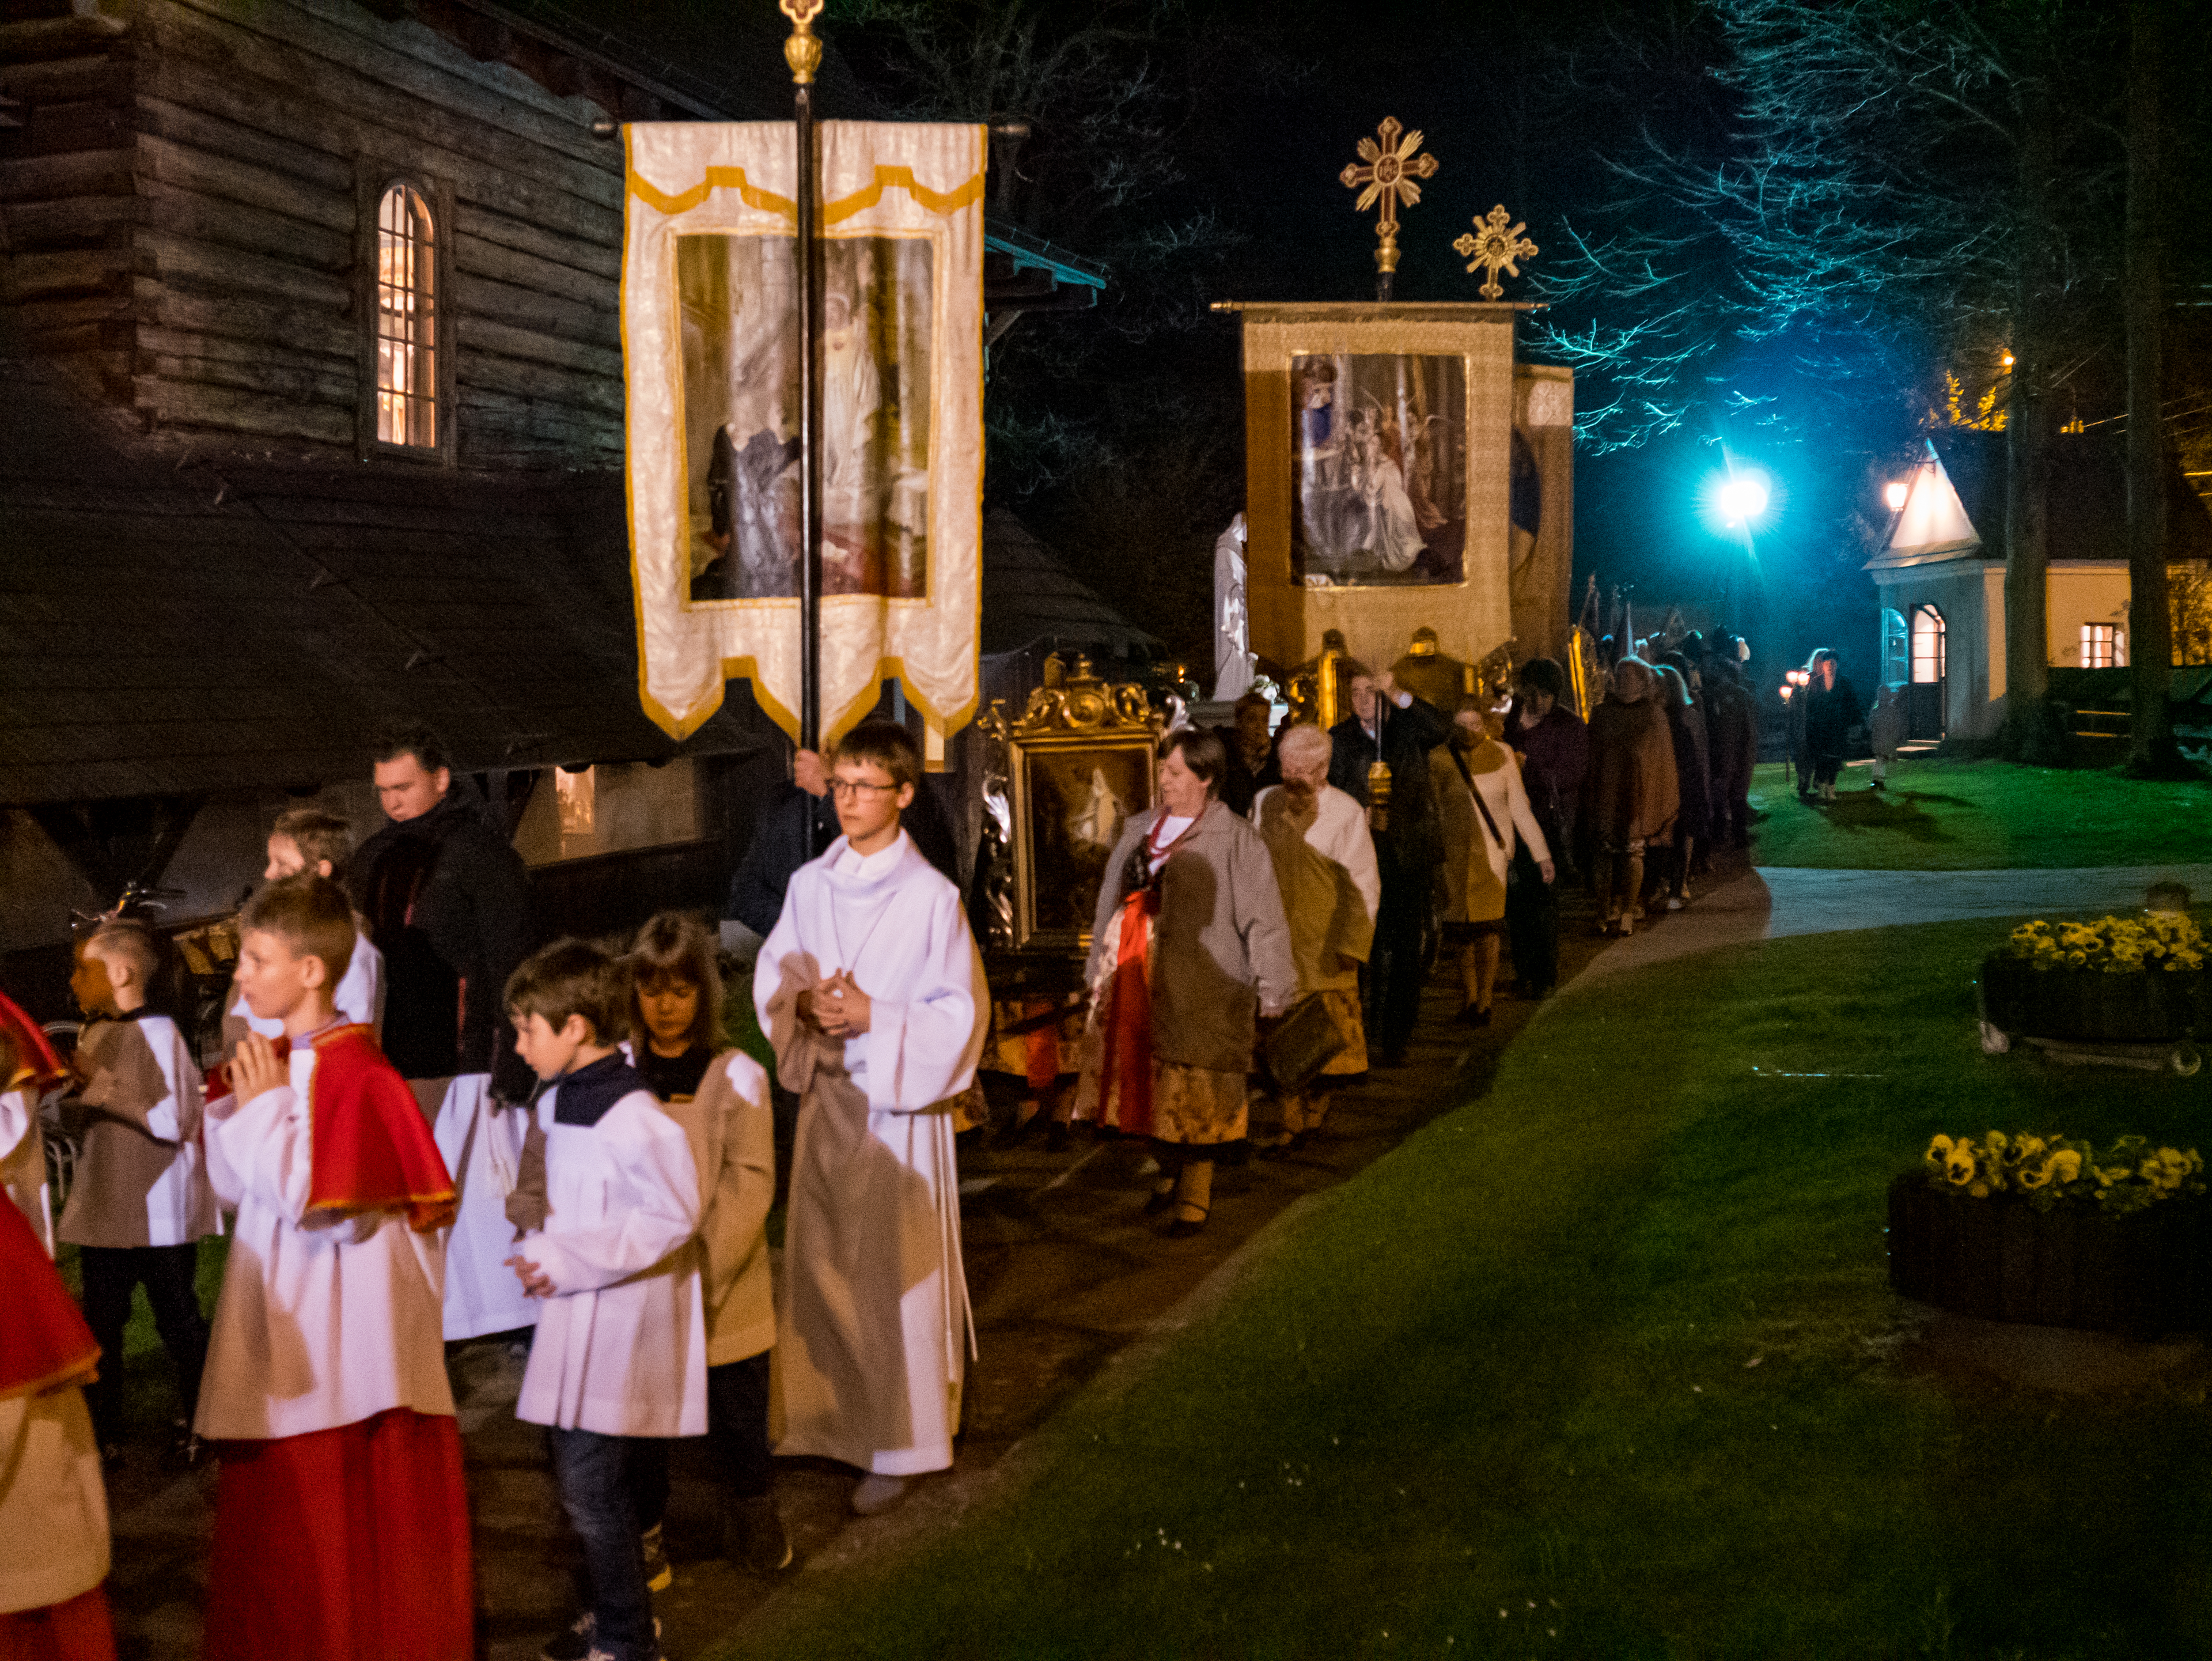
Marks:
<point>871,990</point>
<point>711,365</point>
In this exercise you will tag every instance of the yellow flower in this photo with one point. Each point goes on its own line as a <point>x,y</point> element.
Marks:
<point>1938,1151</point>
<point>1960,1166</point>
<point>2066,1165</point>
<point>2029,1146</point>
<point>2077,958</point>
<point>1996,1139</point>
<point>2035,1175</point>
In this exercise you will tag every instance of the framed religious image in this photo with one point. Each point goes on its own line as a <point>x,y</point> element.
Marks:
<point>1379,470</point>
<point>740,415</point>
<point>1071,794</point>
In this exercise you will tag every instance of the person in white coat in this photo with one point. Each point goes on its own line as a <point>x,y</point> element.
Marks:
<point>1486,815</point>
<point>620,1354</point>
<point>872,991</point>
<point>1325,864</point>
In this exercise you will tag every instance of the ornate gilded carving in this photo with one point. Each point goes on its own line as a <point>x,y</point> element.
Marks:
<point>1080,704</point>
<point>1392,165</point>
<point>1493,247</point>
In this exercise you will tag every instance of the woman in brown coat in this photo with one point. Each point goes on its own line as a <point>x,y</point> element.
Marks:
<point>1631,795</point>
<point>1190,943</point>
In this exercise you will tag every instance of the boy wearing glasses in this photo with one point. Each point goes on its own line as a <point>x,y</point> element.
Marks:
<point>872,991</point>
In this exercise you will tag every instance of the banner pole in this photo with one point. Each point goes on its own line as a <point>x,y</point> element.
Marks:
<point>804,54</point>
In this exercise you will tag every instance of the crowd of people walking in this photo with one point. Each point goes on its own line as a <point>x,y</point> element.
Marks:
<point>422,1132</point>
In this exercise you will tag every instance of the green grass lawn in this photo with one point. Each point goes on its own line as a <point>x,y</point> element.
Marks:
<point>1980,816</point>
<point>1603,1364</point>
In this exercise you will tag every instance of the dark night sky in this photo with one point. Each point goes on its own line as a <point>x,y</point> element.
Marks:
<point>1270,97</point>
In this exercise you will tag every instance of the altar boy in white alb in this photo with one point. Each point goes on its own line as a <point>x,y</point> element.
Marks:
<point>871,990</point>
<point>619,1365</point>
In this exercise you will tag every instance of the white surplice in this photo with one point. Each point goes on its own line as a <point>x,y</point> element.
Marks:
<point>319,1324</point>
<point>481,1146</point>
<point>621,1349</point>
<point>874,1329</point>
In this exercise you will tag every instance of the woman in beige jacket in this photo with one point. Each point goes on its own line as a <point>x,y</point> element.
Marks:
<point>1486,815</point>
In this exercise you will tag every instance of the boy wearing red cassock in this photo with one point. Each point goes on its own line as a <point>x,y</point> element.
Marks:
<point>53,1507</point>
<point>341,1521</point>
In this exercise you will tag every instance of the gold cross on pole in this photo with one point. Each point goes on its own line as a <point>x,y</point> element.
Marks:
<point>1491,243</point>
<point>1388,175</point>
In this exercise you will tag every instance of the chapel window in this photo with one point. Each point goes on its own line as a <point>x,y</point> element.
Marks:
<point>2103,647</point>
<point>406,320</point>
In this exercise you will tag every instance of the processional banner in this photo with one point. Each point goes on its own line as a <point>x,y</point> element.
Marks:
<point>1378,469</point>
<point>710,358</point>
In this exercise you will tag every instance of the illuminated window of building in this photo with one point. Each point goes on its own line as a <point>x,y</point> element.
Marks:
<point>1927,646</point>
<point>577,793</point>
<point>2103,647</point>
<point>406,320</point>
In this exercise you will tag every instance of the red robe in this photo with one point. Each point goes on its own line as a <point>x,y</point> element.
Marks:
<point>45,1346</point>
<point>349,1543</point>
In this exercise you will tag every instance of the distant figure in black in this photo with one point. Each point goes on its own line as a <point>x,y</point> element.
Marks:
<point>1832,709</point>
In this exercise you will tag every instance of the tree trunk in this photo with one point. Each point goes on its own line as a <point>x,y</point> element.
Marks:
<point>2151,750</point>
<point>2030,732</point>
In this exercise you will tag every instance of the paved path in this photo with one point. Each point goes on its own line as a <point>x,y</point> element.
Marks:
<point>1769,902</point>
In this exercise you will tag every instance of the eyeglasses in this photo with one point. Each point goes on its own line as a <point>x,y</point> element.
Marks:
<point>859,787</point>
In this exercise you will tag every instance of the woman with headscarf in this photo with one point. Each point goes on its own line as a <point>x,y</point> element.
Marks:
<point>1832,709</point>
<point>1486,819</point>
<point>1190,945</point>
<point>1632,795</point>
<point>1686,726</point>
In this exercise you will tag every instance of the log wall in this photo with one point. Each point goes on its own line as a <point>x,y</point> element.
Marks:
<point>181,211</point>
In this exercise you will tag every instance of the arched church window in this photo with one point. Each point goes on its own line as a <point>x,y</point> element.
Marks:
<point>406,319</point>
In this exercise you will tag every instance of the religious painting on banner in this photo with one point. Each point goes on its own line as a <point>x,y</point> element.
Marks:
<point>741,415</point>
<point>710,336</point>
<point>1381,492</point>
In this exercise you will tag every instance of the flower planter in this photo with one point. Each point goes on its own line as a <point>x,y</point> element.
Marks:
<point>2092,1006</point>
<point>2003,1260</point>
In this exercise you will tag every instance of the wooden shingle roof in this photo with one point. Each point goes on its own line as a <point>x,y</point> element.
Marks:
<point>172,625</point>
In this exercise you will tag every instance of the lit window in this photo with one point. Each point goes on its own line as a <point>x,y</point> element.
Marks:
<point>406,320</point>
<point>1927,646</point>
<point>2103,647</point>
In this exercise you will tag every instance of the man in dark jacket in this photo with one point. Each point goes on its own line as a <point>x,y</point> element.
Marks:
<point>448,904</point>
<point>1401,729</point>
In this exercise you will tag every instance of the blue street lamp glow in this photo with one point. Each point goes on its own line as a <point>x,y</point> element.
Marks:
<point>1743,497</point>
<point>1739,500</point>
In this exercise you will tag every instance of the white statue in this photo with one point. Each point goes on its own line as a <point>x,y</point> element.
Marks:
<point>1232,620</point>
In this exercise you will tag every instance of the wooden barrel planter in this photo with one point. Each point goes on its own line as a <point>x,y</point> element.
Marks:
<point>2003,1260</point>
<point>2089,1006</point>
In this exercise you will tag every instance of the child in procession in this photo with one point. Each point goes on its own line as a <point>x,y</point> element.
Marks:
<point>872,991</point>
<point>308,839</point>
<point>619,1362</point>
<point>341,1529</point>
<point>720,1097</point>
<point>54,1504</point>
<point>140,1204</point>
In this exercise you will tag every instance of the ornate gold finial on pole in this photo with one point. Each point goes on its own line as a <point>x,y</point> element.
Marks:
<point>1493,245</point>
<point>1388,175</point>
<point>802,52</point>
